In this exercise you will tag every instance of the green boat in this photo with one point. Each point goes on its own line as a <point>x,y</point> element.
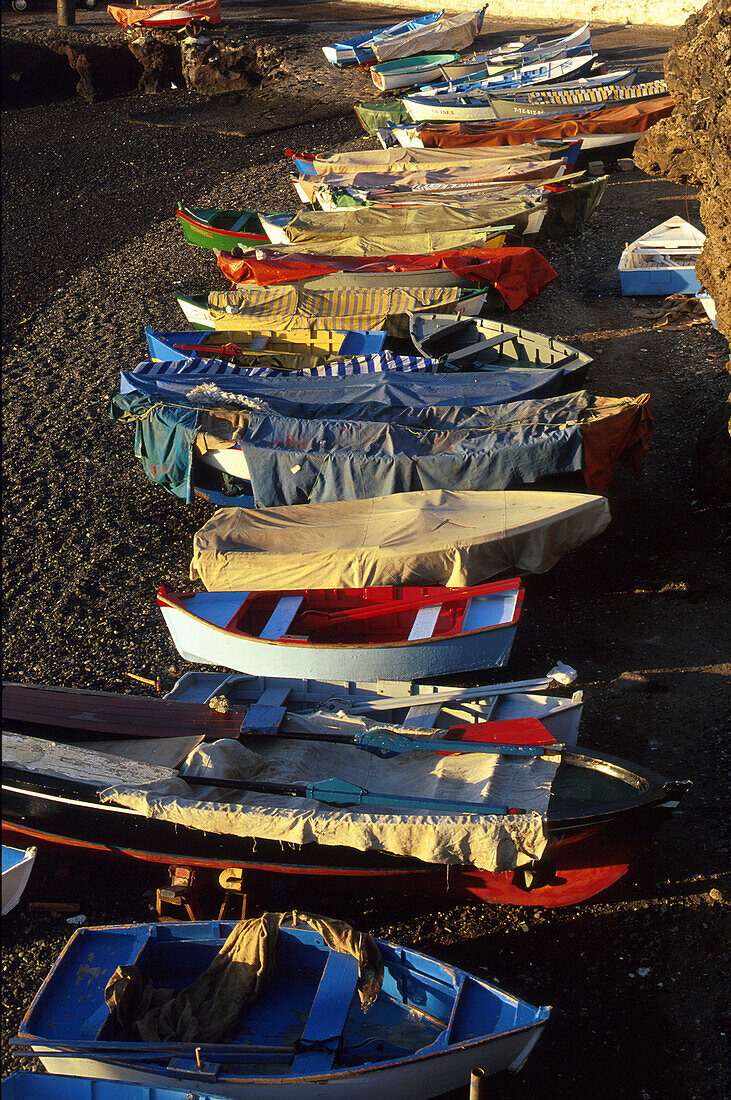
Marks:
<point>224,229</point>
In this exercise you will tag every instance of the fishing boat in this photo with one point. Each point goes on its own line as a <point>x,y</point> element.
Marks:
<point>436,33</point>
<point>607,129</point>
<point>406,71</point>
<point>435,537</point>
<point>596,812</point>
<point>359,49</point>
<point>367,633</point>
<point>300,1033</point>
<point>405,160</point>
<point>244,348</point>
<point>166,16</point>
<point>576,96</point>
<point>221,228</point>
<point>662,261</point>
<point>489,343</point>
<point>475,62</point>
<point>254,308</point>
<point>473,105</point>
<point>540,74</point>
<point>579,41</point>
<point>17,866</point>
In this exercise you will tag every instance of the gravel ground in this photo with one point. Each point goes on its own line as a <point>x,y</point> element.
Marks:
<point>92,253</point>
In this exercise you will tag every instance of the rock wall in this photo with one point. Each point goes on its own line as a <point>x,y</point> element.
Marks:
<point>694,145</point>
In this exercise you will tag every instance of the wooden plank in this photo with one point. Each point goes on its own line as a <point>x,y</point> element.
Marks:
<point>422,717</point>
<point>482,345</point>
<point>168,752</point>
<point>281,618</point>
<point>77,763</point>
<point>268,712</point>
<point>328,1013</point>
<point>424,623</point>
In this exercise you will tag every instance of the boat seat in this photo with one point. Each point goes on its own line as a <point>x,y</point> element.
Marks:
<point>267,713</point>
<point>424,623</point>
<point>482,345</point>
<point>328,1014</point>
<point>239,224</point>
<point>423,716</point>
<point>281,617</point>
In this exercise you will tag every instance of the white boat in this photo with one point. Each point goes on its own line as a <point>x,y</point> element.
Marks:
<point>472,63</point>
<point>436,33</point>
<point>406,71</point>
<point>579,40</point>
<point>546,72</point>
<point>663,260</point>
<point>371,633</point>
<point>360,48</point>
<point>17,866</point>
<point>590,93</point>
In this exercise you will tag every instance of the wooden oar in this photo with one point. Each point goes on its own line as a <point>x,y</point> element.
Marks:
<point>338,792</point>
<point>446,695</point>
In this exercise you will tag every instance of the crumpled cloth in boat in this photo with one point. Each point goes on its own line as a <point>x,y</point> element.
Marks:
<point>207,1010</point>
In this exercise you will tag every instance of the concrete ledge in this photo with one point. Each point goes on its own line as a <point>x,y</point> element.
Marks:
<point>659,13</point>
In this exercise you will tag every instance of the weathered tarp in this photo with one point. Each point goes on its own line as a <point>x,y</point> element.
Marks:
<point>516,273</point>
<point>389,395</point>
<point>437,537</point>
<point>630,118</point>
<point>164,439</point>
<point>438,179</point>
<point>127,15</point>
<point>373,115</point>
<point>399,159</point>
<point>413,244</point>
<point>450,32</point>
<point>491,842</point>
<point>285,307</point>
<point>294,460</point>
<point>320,225</point>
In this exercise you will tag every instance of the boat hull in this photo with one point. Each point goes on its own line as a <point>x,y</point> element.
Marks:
<point>203,643</point>
<point>17,866</point>
<point>402,74</point>
<point>197,232</point>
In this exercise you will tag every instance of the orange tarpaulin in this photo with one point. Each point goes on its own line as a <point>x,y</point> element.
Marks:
<point>630,118</point>
<point>516,273</point>
<point>623,436</point>
<point>198,9</point>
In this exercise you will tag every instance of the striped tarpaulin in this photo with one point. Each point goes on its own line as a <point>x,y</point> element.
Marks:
<point>210,369</point>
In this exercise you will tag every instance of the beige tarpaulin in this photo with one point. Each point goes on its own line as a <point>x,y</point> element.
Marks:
<point>427,179</point>
<point>209,1008</point>
<point>399,159</point>
<point>410,244</point>
<point>366,221</point>
<point>451,32</point>
<point>353,308</point>
<point>492,842</point>
<point>434,537</point>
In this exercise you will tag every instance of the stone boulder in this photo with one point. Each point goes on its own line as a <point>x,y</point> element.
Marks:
<point>218,66</point>
<point>159,58</point>
<point>694,145</point>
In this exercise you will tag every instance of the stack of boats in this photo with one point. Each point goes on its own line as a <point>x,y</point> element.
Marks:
<point>387,458</point>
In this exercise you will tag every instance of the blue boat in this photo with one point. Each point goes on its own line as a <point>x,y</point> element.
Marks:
<point>359,49</point>
<point>304,1036</point>
<point>53,1086</point>
<point>204,343</point>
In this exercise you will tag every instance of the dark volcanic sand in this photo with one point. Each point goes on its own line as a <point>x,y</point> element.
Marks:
<point>92,253</point>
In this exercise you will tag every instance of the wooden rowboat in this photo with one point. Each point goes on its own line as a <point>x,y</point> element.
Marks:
<point>352,633</point>
<point>304,1035</point>
<point>599,815</point>
<point>406,71</point>
<point>166,16</point>
<point>360,48</point>
<point>224,229</point>
<point>241,347</point>
<point>477,340</point>
<point>576,96</point>
<point>476,62</point>
<point>16,869</point>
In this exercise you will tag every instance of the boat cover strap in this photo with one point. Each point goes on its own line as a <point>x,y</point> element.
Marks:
<point>208,1009</point>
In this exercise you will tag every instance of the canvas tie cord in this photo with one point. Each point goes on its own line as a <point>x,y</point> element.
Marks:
<point>207,1010</point>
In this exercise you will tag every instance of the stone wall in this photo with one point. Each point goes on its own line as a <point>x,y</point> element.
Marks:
<point>694,145</point>
<point>662,13</point>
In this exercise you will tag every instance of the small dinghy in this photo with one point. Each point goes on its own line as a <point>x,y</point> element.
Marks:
<point>435,537</point>
<point>476,62</point>
<point>225,229</point>
<point>337,1012</point>
<point>663,260</point>
<point>441,821</point>
<point>17,866</point>
<point>427,34</point>
<point>292,346</point>
<point>578,41</point>
<point>166,16</point>
<point>406,71</point>
<point>359,49</point>
<point>352,633</point>
<point>490,344</point>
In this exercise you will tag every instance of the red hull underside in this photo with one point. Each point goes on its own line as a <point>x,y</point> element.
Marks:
<point>581,867</point>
